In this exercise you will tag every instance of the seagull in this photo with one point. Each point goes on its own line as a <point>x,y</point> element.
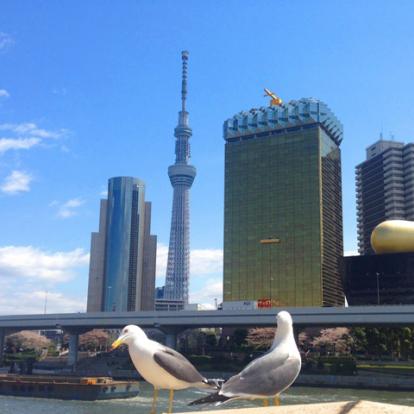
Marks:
<point>159,365</point>
<point>265,377</point>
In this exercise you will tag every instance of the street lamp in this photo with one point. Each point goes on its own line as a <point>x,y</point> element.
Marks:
<point>377,274</point>
<point>108,296</point>
<point>45,304</point>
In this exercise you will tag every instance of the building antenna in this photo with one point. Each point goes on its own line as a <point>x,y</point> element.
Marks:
<point>184,57</point>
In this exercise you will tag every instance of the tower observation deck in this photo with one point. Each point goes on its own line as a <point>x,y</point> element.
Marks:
<point>181,175</point>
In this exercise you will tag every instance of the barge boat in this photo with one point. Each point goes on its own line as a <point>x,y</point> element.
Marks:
<point>67,388</point>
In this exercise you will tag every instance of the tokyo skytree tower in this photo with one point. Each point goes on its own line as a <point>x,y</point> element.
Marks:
<point>181,176</point>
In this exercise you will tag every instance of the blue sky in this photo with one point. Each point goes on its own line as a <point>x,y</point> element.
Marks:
<point>90,90</point>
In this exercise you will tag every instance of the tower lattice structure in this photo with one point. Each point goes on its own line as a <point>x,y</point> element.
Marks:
<point>181,175</point>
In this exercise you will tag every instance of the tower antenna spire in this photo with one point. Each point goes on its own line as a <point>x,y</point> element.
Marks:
<point>181,175</point>
<point>184,57</point>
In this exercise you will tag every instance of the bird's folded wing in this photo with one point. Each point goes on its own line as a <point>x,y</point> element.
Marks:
<point>264,376</point>
<point>177,365</point>
<point>264,363</point>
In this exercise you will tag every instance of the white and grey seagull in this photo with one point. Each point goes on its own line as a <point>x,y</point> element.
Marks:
<point>159,365</point>
<point>265,377</point>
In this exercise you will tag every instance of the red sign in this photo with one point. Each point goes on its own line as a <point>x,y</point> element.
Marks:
<point>264,303</point>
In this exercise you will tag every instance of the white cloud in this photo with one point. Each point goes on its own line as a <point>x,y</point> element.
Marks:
<point>4,93</point>
<point>27,273</point>
<point>26,135</point>
<point>16,182</point>
<point>202,261</point>
<point>32,130</point>
<point>351,253</point>
<point>69,208</point>
<point>28,262</point>
<point>5,41</point>
<point>7,144</point>
<point>206,261</point>
<point>162,257</point>
<point>206,265</point>
<point>212,289</point>
<point>60,91</point>
<point>33,302</point>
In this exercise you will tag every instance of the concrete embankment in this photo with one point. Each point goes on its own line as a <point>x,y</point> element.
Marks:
<point>374,381</point>
<point>346,407</point>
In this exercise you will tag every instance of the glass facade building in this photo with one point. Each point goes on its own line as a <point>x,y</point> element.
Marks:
<point>379,279</point>
<point>124,239</point>
<point>123,252</point>
<point>283,181</point>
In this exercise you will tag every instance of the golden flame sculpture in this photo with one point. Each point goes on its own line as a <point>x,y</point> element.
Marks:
<point>393,236</point>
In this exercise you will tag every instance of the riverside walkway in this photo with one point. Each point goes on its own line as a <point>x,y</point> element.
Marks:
<point>346,407</point>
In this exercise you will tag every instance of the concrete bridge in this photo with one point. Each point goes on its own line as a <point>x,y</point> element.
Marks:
<point>171,323</point>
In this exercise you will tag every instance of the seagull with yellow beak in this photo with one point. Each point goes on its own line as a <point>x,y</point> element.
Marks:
<point>159,365</point>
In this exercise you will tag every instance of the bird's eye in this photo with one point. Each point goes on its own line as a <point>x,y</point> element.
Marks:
<point>126,330</point>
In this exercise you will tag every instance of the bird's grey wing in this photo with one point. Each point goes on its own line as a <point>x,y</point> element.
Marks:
<point>265,376</point>
<point>177,365</point>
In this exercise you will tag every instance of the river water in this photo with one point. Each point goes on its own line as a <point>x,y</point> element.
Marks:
<point>142,403</point>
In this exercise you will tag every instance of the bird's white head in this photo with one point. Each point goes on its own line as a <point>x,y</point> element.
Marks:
<point>128,334</point>
<point>283,318</point>
<point>284,331</point>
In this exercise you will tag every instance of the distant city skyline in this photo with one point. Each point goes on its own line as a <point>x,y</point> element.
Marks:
<point>78,106</point>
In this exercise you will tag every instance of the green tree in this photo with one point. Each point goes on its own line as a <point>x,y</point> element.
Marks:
<point>359,339</point>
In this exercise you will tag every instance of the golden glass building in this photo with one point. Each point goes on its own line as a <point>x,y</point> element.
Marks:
<point>283,183</point>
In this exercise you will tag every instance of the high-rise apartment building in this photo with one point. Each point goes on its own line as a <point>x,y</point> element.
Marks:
<point>385,188</point>
<point>123,252</point>
<point>283,205</point>
<point>181,175</point>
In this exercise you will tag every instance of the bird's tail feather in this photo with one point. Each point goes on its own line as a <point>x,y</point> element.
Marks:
<point>215,383</point>
<point>212,398</point>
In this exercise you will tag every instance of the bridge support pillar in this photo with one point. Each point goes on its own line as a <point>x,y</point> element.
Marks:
<point>2,344</point>
<point>73,350</point>
<point>171,335</point>
<point>171,340</point>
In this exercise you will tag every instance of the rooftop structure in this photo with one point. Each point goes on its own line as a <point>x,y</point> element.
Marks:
<point>306,111</point>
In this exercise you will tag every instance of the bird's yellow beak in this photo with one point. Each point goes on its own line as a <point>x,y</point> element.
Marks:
<point>117,343</point>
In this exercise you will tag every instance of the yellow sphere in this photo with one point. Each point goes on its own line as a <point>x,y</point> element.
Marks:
<point>393,236</point>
